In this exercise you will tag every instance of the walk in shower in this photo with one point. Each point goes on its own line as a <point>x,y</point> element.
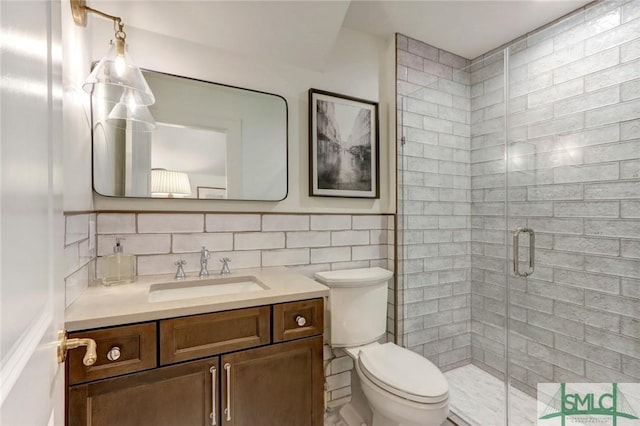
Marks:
<point>535,146</point>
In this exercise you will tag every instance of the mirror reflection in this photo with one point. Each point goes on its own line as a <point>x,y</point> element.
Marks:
<point>211,141</point>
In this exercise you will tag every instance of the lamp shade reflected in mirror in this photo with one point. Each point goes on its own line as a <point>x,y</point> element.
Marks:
<point>168,183</point>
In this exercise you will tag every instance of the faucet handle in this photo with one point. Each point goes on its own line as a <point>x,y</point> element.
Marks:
<point>204,252</point>
<point>180,272</point>
<point>225,266</point>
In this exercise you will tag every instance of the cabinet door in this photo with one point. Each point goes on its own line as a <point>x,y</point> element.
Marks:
<point>277,385</point>
<point>170,396</point>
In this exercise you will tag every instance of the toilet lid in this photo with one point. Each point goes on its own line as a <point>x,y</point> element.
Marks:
<point>403,373</point>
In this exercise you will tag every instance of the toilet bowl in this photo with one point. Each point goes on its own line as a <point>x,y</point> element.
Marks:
<point>401,387</point>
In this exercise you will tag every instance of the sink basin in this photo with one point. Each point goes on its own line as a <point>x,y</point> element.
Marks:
<point>178,290</point>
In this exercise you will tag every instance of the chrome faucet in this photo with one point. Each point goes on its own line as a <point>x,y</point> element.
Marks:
<point>225,266</point>
<point>204,257</point>
<point>180,275</point>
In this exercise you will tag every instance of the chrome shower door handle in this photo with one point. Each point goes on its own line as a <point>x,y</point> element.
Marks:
<point>516,251</point>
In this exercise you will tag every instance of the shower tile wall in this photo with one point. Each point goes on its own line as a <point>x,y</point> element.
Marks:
<point>434,225</point>
<point>574,177</point>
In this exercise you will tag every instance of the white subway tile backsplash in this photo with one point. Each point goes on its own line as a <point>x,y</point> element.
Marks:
<point>330,255</point>
<point>77,282</point>
<point>369,252</point>
<point>285,223</point>
<point>116,223</point>
<point>162,263</point>
<point>71,259</point>
<point>354,264</point>
<point>285,257</point>
<point>349,238</point>
<point>182,243</point>
<point>170,223</point>
<point>136,243</point>
<point>259,240</point>
<point>308,239</point>
<point>232,222</point>
<point>330,222</point>
<point>76,228</point>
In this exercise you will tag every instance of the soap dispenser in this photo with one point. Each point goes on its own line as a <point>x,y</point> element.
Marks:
<point>118,267</point>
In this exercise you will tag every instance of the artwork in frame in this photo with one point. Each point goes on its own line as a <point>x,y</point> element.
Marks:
<point>343,146</point>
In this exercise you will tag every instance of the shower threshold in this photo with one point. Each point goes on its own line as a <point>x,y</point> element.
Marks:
<point>477,398</point>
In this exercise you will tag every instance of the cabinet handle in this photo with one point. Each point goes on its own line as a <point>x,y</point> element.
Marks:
<point>212,370</point>
<point>301,321</point>
<point>227,410</point>
<point>113,354</point>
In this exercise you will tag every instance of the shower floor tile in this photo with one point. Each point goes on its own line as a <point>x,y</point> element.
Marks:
<point>477,397</point>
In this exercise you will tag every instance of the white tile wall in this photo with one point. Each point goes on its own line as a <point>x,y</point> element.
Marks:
<point>434,237</point>
<point>79,257</point>
<point>573,149</point>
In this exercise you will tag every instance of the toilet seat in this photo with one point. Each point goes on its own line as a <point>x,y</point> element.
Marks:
<point>403,373</point>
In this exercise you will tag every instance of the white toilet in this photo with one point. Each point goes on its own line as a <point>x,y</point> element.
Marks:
<point>402,388</point>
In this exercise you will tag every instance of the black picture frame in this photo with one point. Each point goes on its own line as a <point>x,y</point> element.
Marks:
<point>343,165</point>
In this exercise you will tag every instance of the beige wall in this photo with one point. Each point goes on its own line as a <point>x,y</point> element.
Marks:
<point>355,68</point>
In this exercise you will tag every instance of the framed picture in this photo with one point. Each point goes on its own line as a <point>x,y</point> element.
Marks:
<point>343,146</point>
<point>211,192</point>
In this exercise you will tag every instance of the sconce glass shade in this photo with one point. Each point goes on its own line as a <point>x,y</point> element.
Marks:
<point>117,71</point>
<point>129,113</point>
<point>169,183</point>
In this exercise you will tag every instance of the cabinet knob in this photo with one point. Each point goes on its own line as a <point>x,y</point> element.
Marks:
<point>113,354</point>
<point>301,321</point>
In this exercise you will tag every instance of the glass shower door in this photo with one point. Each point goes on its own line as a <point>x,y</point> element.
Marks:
<point>573,213</point>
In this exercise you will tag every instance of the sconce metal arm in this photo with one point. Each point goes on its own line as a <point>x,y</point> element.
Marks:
<point>79,11</point>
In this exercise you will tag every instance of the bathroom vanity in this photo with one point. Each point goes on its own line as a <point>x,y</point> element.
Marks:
<point>253,358</point>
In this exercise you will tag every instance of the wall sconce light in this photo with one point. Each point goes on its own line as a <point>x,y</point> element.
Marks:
<point>129,110</point>
<point>116,78</point>
<point>168,183</point>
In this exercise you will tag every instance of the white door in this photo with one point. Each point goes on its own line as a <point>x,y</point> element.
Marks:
<point>31,220</point>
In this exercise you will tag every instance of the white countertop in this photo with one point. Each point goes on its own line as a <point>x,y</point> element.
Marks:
<point>101,306</point>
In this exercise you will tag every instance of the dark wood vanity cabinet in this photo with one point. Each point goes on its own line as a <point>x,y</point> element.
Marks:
<point>170,396</point>
<point>225,368</point>
<point>276,385</point>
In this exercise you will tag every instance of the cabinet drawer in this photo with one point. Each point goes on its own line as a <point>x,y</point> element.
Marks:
<point>199,336</point>
<point>287,318</point>
<point>137,346</point>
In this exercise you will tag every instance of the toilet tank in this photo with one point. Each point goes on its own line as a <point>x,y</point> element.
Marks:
<point>357,304</point>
